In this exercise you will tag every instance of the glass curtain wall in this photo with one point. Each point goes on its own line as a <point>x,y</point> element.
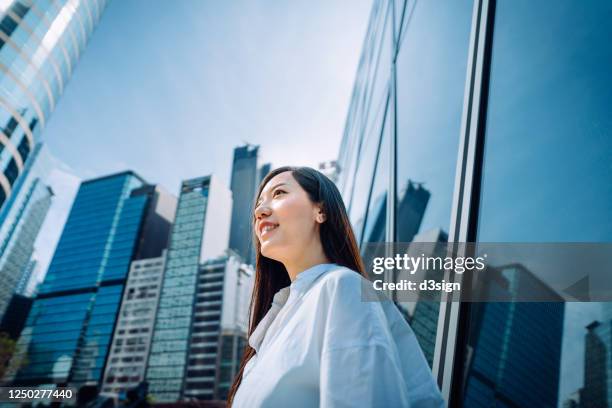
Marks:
<point>488,121</point>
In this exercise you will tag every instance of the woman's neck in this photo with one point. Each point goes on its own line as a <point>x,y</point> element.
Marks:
<point>305,262</point>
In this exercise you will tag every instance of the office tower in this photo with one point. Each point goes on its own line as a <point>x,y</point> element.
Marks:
<point>263,172</point>
<point>200,231</point>
<point>14,215</point>
<point>127,359</point>
<point>597,389</point>
<point>245,178</point>
<point>18,244</point>
<point>219,328</point>
<point>24,285</point>
<point>503,358</point>
<point>69,327</point>
<point>40,44</point>
<point>436,85</point>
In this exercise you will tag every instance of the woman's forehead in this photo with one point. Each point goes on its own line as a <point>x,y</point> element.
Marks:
<point>282,178</point>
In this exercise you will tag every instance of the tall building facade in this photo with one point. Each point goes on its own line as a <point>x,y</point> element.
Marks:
<point>457,123</point>
<point>17,247</point>
<point>16,215</point>
<point>219,328</point>
<point>129,352</point>
<point>40,44</point>
<point>246,177</point>
<point>502,357</point>
<point>243,184</point>
<point>200,232</point>
<point>69,328</point>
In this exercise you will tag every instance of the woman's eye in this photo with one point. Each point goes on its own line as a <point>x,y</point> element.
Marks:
<point>277,191</point>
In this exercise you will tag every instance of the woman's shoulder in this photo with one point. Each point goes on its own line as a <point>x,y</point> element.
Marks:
<point>344,280</point>
<point>342,275</point>
<point>346,288</point>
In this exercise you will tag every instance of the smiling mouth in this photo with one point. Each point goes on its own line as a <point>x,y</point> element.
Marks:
<point>267,229</point>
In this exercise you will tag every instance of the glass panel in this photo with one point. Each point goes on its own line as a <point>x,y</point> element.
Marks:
<point>546,178</point>
<point>365,171</point>
<point>375,227</point>
<point>431,71</point>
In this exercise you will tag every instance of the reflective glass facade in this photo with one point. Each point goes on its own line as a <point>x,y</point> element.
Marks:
<point>69,328</point>
<point>167,360</point>
<point>40,43</point>
<point>202,295</point>
<point>486,121</point>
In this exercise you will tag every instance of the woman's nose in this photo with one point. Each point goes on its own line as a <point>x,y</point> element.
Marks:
<point>262,211</point>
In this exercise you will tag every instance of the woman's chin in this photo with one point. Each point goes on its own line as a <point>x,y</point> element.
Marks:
<point>270,251</point>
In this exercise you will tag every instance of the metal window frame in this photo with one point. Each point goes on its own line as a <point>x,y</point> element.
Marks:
<point>453,321</point>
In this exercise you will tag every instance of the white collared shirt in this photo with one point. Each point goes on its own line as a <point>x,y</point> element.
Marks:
<point>321,345</point>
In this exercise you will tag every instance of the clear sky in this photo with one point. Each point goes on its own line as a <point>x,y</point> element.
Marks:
<point>168,88</point>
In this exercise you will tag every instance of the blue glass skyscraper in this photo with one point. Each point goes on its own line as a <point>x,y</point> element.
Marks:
<point>40,44</point>
<point>200,232</point>
<point>69,327</point>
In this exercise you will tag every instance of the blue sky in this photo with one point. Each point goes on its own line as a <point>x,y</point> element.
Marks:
<point>169,88</point>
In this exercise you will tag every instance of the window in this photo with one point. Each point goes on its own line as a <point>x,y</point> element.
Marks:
<point>546,178</point>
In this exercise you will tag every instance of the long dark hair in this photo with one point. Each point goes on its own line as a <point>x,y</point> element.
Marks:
<point>337,239</point>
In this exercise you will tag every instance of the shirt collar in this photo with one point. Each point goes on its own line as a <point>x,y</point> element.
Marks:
<point>304,279</point>
<point>301,284</point>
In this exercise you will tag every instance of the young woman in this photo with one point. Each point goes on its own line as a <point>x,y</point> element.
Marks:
<point>312,340</point>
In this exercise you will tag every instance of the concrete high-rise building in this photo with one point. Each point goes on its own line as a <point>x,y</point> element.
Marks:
<point>24,286</point>
<point>18,245</point>
<point>69,328</point>
<point>219,327</point>
<point>129,352</point>
<point>200,232</point>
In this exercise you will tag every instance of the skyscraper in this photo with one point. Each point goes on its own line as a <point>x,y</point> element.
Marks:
<point>40,43</point>
<point>18,245</point>
<point>86,277</point>
<point>129,351</point>
<point>200,232</point>
<point>598,344</point>
<point>245,177</point>
<point>219,328</point>
<point>504,358</point>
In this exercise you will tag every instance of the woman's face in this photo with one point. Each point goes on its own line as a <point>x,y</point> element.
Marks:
<point>286,221</point>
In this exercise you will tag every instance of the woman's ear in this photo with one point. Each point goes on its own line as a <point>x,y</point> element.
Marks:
<point>320,216</point>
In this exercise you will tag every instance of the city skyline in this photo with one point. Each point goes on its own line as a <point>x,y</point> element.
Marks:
<point>129,126</point>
